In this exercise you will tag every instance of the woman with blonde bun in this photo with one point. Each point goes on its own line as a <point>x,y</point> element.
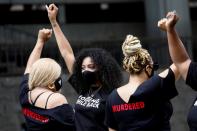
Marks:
<point>43,107</point>
<point>143,104</point>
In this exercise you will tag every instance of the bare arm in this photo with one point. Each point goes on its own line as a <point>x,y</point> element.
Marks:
<point>177,50</point>
<point>110,129</point>
<point>178,53</point>
<point>43,36</point>
<point>174,69</point>
<point>63,44</point>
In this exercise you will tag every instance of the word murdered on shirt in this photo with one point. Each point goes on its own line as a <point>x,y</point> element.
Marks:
<point>88,101</point>
<point>128,106</point>
<point>33,115</point>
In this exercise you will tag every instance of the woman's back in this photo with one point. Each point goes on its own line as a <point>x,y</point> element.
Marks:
<point>146,109</point>
<point>144,103</point>
<point>40,112</point>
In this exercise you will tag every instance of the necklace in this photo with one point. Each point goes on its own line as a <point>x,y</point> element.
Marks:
<point>93,93</point>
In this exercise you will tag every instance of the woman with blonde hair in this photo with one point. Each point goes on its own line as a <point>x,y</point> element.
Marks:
<point>143,104</point>
<point>42,104</point>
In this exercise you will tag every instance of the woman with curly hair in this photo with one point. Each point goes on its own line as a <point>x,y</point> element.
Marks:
<point>94,74</point>
<point>143,104</point>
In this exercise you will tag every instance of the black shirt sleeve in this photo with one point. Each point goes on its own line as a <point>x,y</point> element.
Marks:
<point>191,78</point>
<point>168,88</point>
<point>23,88</point>
<point>65,115</point>
<point>110,121</point>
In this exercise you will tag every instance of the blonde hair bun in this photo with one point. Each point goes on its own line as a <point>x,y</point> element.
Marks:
<point>131,45</point>
<point>136,58</point>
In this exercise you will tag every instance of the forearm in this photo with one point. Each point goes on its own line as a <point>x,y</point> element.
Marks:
<point>35,55</point>
<point>62,42</point>
<point>178,52</point>
<point>64,46</point>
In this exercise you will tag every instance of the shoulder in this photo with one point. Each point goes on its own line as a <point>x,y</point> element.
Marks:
<point>114,92</point>
<point>121,90</point>
<point>56,99</point>
<point>168,72</point>
<point>172,72</point>
<point>164,73</point>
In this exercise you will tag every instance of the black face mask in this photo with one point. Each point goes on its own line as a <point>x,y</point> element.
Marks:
<point>90,77</point>
<point>155,66</point>
<point>58,83</point>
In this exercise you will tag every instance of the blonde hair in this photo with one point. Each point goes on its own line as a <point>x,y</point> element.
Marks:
<point>44,72</point>
<point>136,58</point>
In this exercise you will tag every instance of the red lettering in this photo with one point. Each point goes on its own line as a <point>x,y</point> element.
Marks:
<point>141,104</point>
<point>128,106</point>
<point>113,108</point>
<point>118,108</point>
<point>122,107</point>
<point>35,116</point>
<point>137,105</point>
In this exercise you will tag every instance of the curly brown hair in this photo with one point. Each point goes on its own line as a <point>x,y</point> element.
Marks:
<point>109,71</point>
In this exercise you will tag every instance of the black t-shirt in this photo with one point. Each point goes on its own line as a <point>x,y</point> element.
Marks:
<point>60,118</point>
<point>148,109</point>
<point>90,110</point>
<point>191,80</point>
